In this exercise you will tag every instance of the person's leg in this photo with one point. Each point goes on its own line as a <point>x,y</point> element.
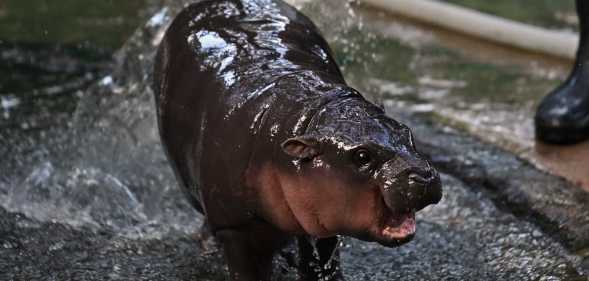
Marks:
<point>563,115</point>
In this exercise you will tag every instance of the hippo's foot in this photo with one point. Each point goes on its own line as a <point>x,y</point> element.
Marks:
<point>563,115</point>
<point>206,240</point>
<point>319,259</point>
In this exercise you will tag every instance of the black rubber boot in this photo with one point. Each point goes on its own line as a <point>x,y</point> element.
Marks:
<point>563,115</point>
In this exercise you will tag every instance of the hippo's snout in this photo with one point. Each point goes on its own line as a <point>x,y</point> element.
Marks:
<point>410,188</point>
<point>408,185</point>
<point>423,189</point>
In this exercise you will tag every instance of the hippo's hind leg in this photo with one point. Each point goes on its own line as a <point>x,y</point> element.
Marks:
<point>319,259</point>
<point>173,140</point>
<point>194,202</point>
<point>205,238</point>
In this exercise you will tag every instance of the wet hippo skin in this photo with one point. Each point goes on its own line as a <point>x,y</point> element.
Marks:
<point>271,144</point>
<point>563,115</point>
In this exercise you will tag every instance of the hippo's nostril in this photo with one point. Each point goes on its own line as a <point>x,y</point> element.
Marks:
<point>425,187</point>
<point>417,179</point>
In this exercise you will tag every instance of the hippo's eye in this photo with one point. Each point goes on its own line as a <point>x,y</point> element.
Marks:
<point>362,157</point>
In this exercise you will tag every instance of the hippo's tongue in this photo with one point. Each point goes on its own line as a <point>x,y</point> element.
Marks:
<point>400,227</point>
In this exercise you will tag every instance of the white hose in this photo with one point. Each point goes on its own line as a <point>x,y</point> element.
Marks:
<point>488,27</point>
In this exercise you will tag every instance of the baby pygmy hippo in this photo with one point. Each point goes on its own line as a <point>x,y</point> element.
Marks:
<point>271,144</point>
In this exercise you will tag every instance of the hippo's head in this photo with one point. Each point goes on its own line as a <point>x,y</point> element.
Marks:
<point>356,172</point>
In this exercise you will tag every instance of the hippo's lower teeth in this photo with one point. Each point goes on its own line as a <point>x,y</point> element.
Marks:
<point>400,227</point>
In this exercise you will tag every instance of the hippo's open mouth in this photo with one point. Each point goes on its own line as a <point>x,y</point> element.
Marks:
<point>399,227</point>
<point>393,228</point>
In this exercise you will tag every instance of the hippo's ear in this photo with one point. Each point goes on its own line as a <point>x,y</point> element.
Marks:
<point>301,147</point>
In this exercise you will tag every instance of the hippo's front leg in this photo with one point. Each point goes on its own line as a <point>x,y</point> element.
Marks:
<point>246,262</point>
<point>319,259</point>
<point>249,250</point>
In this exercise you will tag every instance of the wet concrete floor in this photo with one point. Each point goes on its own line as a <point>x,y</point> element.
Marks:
<point>570,162</point>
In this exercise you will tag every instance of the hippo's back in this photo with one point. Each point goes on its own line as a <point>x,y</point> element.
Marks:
<point>215,71</point>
